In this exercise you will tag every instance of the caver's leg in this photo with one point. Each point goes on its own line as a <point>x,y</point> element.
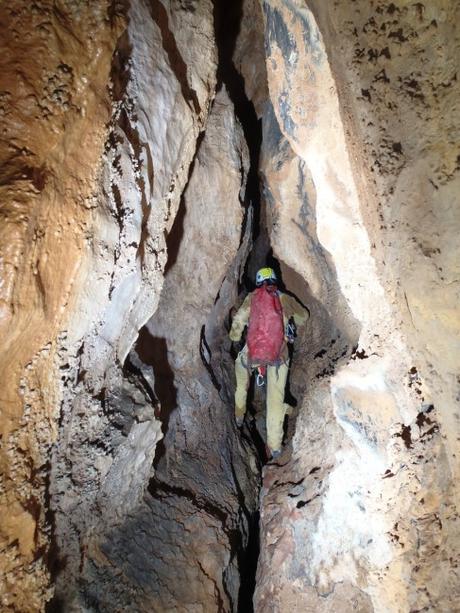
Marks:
<point>276,408</point>
<point>242,384</point>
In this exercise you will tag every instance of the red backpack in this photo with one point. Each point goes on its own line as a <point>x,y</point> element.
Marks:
<point>266,327</point>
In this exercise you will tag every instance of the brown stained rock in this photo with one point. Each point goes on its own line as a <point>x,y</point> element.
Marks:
<point>108,418</point>
<point>402,145</point>
<point>54,107</point>
<point>94,181</point>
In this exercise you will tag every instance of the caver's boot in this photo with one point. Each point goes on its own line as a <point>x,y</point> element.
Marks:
<point>272,454</point>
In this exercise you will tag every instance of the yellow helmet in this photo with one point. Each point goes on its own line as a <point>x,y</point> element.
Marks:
<point>265,274</point>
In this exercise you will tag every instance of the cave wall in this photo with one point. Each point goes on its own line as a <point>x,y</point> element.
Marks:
<point>102,509</point>
<point>399,68</point>
<point>55,67</point>
<point>94,167</point>
<point>362,513</point>
<point>180,547</point>
<point>126,228</point>
<point>109,424</point>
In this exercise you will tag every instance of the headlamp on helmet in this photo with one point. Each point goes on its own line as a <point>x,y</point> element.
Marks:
<point>265,274</point>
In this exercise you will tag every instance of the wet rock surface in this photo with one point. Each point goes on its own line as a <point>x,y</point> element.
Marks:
<point>154,154</point>
<point>109,428</point>
<point>56,60</point>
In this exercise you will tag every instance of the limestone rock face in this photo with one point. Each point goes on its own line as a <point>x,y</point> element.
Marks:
<point>94,170</point>
<point>54,105</point>
<point>154,153</point>
<point>363,512</point>
<point>249,54</point>
<point>108,431</point>
<point>179,548</point>
<point>203,480</point>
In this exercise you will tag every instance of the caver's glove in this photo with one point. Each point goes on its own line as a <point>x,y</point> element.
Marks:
<point>239,340</point>
<point>233,336</point>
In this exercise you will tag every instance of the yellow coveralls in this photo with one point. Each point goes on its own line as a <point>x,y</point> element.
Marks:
<point>276,375</point>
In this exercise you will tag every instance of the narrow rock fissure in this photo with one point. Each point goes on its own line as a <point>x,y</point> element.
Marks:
<point>199,514</point>
<point>153,350</point>
<point>227,25</point>
<point>227,21</point>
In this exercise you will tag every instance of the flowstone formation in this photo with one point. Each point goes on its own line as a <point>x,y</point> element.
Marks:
<point>154,154</point>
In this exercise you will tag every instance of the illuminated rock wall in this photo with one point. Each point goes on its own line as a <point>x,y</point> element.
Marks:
<point>358,160</point>
<point>130,160</point>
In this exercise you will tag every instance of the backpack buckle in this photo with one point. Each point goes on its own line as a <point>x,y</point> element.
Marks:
<point>260,379</point>
<point>290,332</point>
